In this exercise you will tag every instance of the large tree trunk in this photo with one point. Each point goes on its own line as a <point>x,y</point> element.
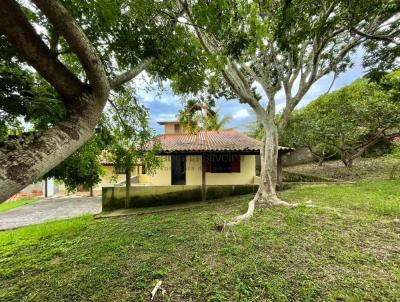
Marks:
<point>21,163</point>
<point>266,193</point>
<point>347,159</point>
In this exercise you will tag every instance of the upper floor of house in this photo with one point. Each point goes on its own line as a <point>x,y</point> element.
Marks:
<point>172,127</point>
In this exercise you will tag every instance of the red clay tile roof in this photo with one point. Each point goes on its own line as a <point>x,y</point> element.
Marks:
<point>223,140</point>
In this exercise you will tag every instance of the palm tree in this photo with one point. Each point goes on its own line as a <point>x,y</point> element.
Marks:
<point>218,123</point>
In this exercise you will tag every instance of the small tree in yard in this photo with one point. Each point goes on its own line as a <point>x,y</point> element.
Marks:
<point>350,120</point>
<point>286,45</point>
<point>127,122</point>
<point>301,132</point>
<point>82,168</point>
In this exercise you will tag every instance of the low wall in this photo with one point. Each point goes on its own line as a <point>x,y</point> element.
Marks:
<point>298,157</point>
<point>299,177</point>
<point>146,196</point>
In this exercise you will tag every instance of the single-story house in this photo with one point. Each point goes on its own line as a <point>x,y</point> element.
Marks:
<point>224,157</point>
<point>205,165</point>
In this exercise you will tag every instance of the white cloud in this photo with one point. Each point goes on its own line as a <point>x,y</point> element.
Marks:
<point>242,113</point>
<point>151,92</point>
<point>147,97</point>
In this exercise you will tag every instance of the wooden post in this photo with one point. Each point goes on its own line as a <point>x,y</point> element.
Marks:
<point>203,179</point>
<point>279,181</point>
<point>127,187</point>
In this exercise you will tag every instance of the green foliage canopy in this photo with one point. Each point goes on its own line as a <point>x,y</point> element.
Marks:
<point>82,168</point>
<point>124,34</point>
<point>349,120</point>
<point>127,123</point>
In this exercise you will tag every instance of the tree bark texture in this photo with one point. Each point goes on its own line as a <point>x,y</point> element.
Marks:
<point>266,193</point>
<point>348,162</point>
<point>26,161</point>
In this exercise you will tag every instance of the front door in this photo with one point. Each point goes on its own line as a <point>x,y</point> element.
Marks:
<point>178,169</point>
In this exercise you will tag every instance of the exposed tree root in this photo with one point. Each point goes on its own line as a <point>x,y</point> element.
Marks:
<point>238,219</point>
<point>257,201</point>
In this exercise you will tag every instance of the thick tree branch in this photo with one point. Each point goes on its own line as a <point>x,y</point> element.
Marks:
<point>65,25</point>
<point>203,40</point>
<point>368,145</point>
<point>376,36</point>
<point>343,52</point>
<point>231,73</point>
<point>17,29</point>
<point>130,74</point>
<point>238,84</point>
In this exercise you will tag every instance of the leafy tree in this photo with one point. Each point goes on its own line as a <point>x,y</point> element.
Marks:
<point>348,121</point>
<point>196,113</point>
<point>383,50</point>
<point>391,84</point>
<point>127,122</point>
<point>9,125</point>
<point>60,79</point>
<point>218,122</point>
<point>275,45</point>
<point>302,132</point>
<point>82,168</point>
<point>255,129</point>
<point>25,95</point>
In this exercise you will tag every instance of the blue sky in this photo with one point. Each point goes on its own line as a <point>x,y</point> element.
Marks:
<point>164,105</point>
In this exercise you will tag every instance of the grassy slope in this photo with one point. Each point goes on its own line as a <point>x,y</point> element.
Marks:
<point>363,168</point>
<point>4,207</point>
<point>346,248</point>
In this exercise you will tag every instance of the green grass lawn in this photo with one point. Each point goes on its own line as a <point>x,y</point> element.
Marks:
<point>6,206</point>
<point>347,248</point>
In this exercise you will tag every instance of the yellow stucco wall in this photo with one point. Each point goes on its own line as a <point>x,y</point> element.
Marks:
<point>162,177</point>
<point>245,176</point>
<point>169,128</point>
<point>193,170</point>
<point>108,178</point>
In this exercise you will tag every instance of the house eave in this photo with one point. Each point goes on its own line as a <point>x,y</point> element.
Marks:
<point>282,150</point>
<point>200,152</point>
